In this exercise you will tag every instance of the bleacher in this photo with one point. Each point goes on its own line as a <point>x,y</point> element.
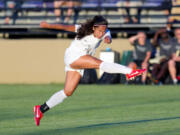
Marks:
<point>28,14</point>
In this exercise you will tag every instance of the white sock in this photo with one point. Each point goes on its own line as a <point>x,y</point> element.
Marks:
<point>114,68</point>
<point>56,99</point>
<point>175,81</point>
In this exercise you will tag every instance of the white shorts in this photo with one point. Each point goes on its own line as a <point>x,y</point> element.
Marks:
<point>69,58</point>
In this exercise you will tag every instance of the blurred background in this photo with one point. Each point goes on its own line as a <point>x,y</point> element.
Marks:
<point>32,68</point>
<point>30,54</point>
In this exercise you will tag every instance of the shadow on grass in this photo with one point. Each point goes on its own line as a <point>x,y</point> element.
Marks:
<point>175,131</point>
<point>100,125</point>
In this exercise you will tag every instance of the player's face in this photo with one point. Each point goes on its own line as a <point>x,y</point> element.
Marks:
<point>177,33</point>
<point>99,31</point>
<point>164,35</point>
<point>142,38</point>
<point>142,35</point>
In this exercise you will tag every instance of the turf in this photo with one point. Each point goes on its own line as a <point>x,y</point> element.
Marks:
<point>92,110</point>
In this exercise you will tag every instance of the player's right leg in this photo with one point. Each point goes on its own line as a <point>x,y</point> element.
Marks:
<point>57,12</point>
<point>72,80</point>
<point>172,70</point>
<point>132,65</point>
<point>70,5</point>
<point>88,62</point>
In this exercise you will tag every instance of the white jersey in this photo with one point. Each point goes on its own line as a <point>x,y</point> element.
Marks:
<point>88,44</point>
<point>85,46</point>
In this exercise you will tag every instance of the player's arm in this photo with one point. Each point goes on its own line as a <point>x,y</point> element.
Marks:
<point>156,36</point>
<point>174,2</point>
<point>70,28</point>
<point>107,37</point>
<point>155,39</point>
<point>148,55</point>
<point>133,39</point>
<point>175,57</point>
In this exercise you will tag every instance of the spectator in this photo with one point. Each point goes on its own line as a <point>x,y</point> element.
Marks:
<point>175,10</point>
<point>12,10</point>
<point>142,52</point>
<point>131,11</point>
<point>163,40</point>
<point>68,3</point>
<point>158,5</point>
<point>174,63</point>
<point>9,5</point>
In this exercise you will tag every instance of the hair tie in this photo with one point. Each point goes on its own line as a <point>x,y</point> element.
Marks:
<point>100,25</point>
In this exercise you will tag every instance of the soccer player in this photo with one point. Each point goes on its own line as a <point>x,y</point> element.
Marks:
<point>163,40</point>
<point>142,52</point>
<point>79,57</point>
<point>174,62</point>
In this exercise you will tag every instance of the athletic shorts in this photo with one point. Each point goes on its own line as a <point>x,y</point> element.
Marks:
<point>69,58</point>
<point>178,67</point>
<point>138,62</point>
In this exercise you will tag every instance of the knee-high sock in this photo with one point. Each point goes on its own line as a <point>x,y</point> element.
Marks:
<point>114,68</point>
<point>56,99</point>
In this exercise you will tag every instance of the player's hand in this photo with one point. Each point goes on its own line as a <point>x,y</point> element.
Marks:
<point>176,58</point>
<point>140,35</point>
<point>44,24</point>
<point>144,64</point>
<point>161,31</point>
<point>107,40</point>
<point>132,78</point>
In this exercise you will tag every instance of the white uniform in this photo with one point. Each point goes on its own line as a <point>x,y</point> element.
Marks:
<point>78,48</point>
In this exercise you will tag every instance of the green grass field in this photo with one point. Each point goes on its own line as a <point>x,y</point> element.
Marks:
<point>92,110</point>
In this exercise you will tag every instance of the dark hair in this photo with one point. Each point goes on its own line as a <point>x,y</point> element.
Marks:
<point>87,27</point>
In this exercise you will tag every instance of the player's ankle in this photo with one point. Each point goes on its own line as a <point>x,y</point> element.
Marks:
<point>44,108</point>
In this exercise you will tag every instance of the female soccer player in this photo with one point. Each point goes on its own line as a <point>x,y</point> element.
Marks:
<point>79,57</point>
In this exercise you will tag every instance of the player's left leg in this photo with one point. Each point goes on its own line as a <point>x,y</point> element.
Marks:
<point>144,75</point>
<point>70,5</point>
<point>163,70</point>
<point>72,80</point>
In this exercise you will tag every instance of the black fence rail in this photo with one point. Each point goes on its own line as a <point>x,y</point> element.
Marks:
<point>24,16</point>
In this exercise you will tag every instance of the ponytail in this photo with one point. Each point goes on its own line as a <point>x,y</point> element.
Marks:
<point>87,28</point>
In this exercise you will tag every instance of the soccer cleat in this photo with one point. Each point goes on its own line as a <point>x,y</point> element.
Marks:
<point>38,114</point>
<point>134,73</point>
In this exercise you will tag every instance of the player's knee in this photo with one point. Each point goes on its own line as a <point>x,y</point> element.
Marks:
<point>68,92</point>
<point>145,66</point>
<point>132,65</point>
<point>171,63</point>
<point>55,5</point>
